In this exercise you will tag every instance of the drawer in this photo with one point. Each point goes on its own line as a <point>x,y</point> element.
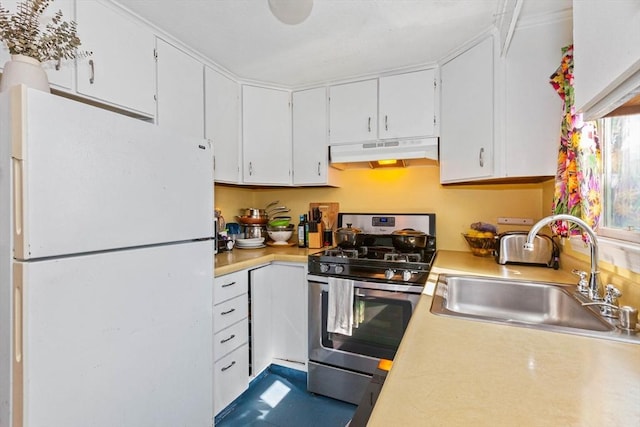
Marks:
<point>230,377</point>
<point>230,338</point>
<point>229,312</point>
<point>230,285</point>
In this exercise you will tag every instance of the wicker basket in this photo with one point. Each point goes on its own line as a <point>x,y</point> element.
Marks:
<point>481,246</point>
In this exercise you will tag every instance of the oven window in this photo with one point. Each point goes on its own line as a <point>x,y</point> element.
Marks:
<point>384,321</point>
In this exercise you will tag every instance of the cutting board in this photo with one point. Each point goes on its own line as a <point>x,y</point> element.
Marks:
<point>329,211</point>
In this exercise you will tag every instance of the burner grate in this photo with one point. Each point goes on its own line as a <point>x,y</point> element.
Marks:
<point>341,253</point>
<point>402,257</point>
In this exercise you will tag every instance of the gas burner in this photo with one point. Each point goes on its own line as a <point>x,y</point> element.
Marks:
<point>341,253</point>
<point>402,257</point>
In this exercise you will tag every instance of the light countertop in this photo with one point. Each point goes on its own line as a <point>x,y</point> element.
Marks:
<point>240,259</point>
<point>454,372</point>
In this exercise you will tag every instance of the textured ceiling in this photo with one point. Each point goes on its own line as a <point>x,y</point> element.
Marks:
<point>340,39</point>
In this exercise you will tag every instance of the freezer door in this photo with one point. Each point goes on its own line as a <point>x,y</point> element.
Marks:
<point>86,179</point>
<point>117,339</point>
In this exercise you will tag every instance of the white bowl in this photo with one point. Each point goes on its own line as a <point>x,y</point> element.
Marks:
<point>280,237</point>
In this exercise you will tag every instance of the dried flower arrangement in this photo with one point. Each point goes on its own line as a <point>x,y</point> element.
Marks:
<point>22,34</point>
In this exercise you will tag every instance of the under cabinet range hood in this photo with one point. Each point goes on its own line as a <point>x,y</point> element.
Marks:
<point>373,151</point>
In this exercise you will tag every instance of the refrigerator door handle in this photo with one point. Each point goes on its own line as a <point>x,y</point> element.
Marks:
<point>18,208</point>
<point>18,321</point>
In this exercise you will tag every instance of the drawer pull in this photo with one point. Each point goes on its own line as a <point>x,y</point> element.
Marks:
<point>227,339</point>
<point>226,285</point>
<point>228,311</point>
<point>228,366</point>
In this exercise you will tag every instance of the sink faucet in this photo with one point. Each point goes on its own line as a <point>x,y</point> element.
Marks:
<point>594,279</point>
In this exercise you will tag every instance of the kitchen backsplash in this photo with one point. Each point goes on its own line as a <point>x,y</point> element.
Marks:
<point>409,190</point>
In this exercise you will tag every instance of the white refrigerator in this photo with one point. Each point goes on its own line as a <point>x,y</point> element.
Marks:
<point>106,268</point>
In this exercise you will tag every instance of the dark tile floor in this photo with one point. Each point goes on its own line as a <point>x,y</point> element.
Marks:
<point>279,397</point>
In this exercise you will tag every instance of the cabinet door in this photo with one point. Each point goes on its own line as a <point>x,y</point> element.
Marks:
<point>407,105</point>
<point>310,158</point>
<point>180,91</point>
<point>261,324</point>
<point>466,128</point>
<point>266,136</point>
<point>533,109</point>
<point>222,124</point>
<point>60,74</point>
<point>353,112</point>
<point>121,70</point>
<point>607,48</point>
<point>289,307</point>
<point>230,378</point>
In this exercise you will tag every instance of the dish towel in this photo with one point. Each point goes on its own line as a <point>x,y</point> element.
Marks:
<point>340,309</point>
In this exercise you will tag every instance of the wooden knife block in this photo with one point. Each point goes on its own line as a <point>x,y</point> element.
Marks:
<point>316,238</point>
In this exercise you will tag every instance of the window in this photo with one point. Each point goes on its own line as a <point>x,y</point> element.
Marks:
<point>620,143</point>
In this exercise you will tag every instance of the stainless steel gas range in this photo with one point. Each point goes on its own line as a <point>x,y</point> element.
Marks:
<point>386,286</point>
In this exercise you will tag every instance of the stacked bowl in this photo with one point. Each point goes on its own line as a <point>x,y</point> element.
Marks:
<point>280,234</point>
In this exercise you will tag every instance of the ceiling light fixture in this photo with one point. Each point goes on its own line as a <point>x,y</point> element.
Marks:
<point>291,12</point>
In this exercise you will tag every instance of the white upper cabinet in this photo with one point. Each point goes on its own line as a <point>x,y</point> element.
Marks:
<point>467,111</point>
<point>121,70</point>
<point>222,124</point>
<point>310,148</point>
<point>606,37</point>
<point>180,91</point>
<point>533,108</point>
<point>60,74</point>
<point>353,112</point>
<point>407,105</point>
<point>266,136</point>
<point>501,116</point>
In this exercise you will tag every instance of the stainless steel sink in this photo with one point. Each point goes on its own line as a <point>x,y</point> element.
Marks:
<point>540,305</point>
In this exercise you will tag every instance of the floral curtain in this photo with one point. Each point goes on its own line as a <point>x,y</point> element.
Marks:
<point>577,185</point>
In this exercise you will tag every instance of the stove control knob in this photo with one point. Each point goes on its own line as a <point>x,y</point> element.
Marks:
<point>406,275</point>
<point>339,269</point>
<point>324,268</point>
<point>389,274</point>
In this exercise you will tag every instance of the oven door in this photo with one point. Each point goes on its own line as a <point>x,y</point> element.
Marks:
<point>385,316</point>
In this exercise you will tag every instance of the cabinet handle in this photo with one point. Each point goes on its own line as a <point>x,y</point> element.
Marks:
<point>369,125</point>
<point>224,313</point>
<point>228,366</point>
<point>481,157</point>
<point>318,168</point>
<point>58,64</point>
<point>226,285</point>
<point>93,74</point>
<point>386,124</point>
<point>250,168</point>
<point>227,339</point>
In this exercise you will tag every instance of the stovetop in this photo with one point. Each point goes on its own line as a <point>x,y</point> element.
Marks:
<point>381,264</point>
<point>376,259</point>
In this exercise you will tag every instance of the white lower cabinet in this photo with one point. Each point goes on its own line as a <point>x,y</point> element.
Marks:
<point>279,316</point>
<point>230,377</point>
<point>230,339</point>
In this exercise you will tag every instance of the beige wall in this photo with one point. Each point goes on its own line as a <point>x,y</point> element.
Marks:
<point>411,190</point>
<point>417,189</point>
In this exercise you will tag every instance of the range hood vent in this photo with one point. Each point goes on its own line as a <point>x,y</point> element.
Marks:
<point>405,149</point>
